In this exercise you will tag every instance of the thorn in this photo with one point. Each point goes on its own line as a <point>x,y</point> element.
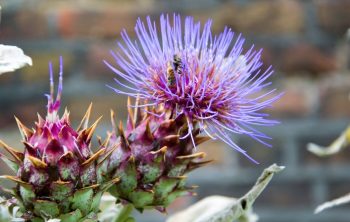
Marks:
<point>108,184</point>
<point>69,155</point>
<point>16,154</point>
<point>115,180</point>
<point>171,139</point>
<point>47,134</point>
<point>195,165</point>
<point>108,154</point>
<point>148,131</point>
<point>29,148</point>
<point>161,150</point>
<point>37,163</point>
<point>167,124</point>
<point>137,113</point>
<point>201,139</point>
<point>113,120</point>
<point>93,157</point>
<point>91,187</point>
<point>146,109</point>
<point>90,131</point>
<point>192,156</point>
<point>131,121</point>
<point>120,128</point>
<point>132,159</point>
<point>14,179</point>
<point>99,140</point>
<point>85,121</point>
<point>105,143</point>
<point>183,130</point>
<point>122,135</point>
<point>25,132</point>
<point>40,120</point>
<point>183,177</point>
<point>65,111</point>
<point>66,115</point>
<point>168,113</point>
<point>60,182</point>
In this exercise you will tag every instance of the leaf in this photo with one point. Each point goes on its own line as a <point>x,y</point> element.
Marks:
<point>12,58</point>
<point>339,144</point>
<point>82,200</point>
<point>46,208</point>
<point>61,190</point>
<point>141,198</point>
<point>333,203</point>
<point>72,216</point>
<point>27,193</point>
<point>220,208</point>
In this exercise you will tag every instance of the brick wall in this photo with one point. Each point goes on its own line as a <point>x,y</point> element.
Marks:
<point>304,40</point>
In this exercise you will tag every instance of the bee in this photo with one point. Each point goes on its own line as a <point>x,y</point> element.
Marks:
<point>178,66</point>
<point>170,75</point>
<point>173,67</point>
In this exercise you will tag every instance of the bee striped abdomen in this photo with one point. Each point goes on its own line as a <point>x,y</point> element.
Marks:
<point>171,75</point>
<point>178,64</point>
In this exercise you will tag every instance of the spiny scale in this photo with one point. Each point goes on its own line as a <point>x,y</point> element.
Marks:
<point>150,158</point>
<point>56,173</point>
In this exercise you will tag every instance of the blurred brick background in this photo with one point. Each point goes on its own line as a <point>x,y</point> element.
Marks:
<point>305,41</point>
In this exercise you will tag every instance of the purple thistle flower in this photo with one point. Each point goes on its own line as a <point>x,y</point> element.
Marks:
<point>194,73</point>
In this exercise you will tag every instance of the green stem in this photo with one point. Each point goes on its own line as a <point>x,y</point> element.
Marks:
<point>124,214</point>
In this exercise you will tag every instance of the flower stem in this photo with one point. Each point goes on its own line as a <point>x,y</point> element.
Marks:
<point>124,215</point>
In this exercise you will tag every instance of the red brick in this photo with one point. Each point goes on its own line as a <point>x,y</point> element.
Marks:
<point>24,24</point>
<point>106,23</point>
<point>333,16</point>
<point>304,57</point>
<point>257,17</point>
<point>95,67</point>
<point>334,94</point>
<point>299,98</point>
<point>336,104</point>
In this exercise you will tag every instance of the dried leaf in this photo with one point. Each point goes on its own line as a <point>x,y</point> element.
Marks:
<point>109,210</point>
<point>219,208</point>
<point>12,58</point>
<point>333,203</point>
<point>9,213</point>
<point>339,144</point>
